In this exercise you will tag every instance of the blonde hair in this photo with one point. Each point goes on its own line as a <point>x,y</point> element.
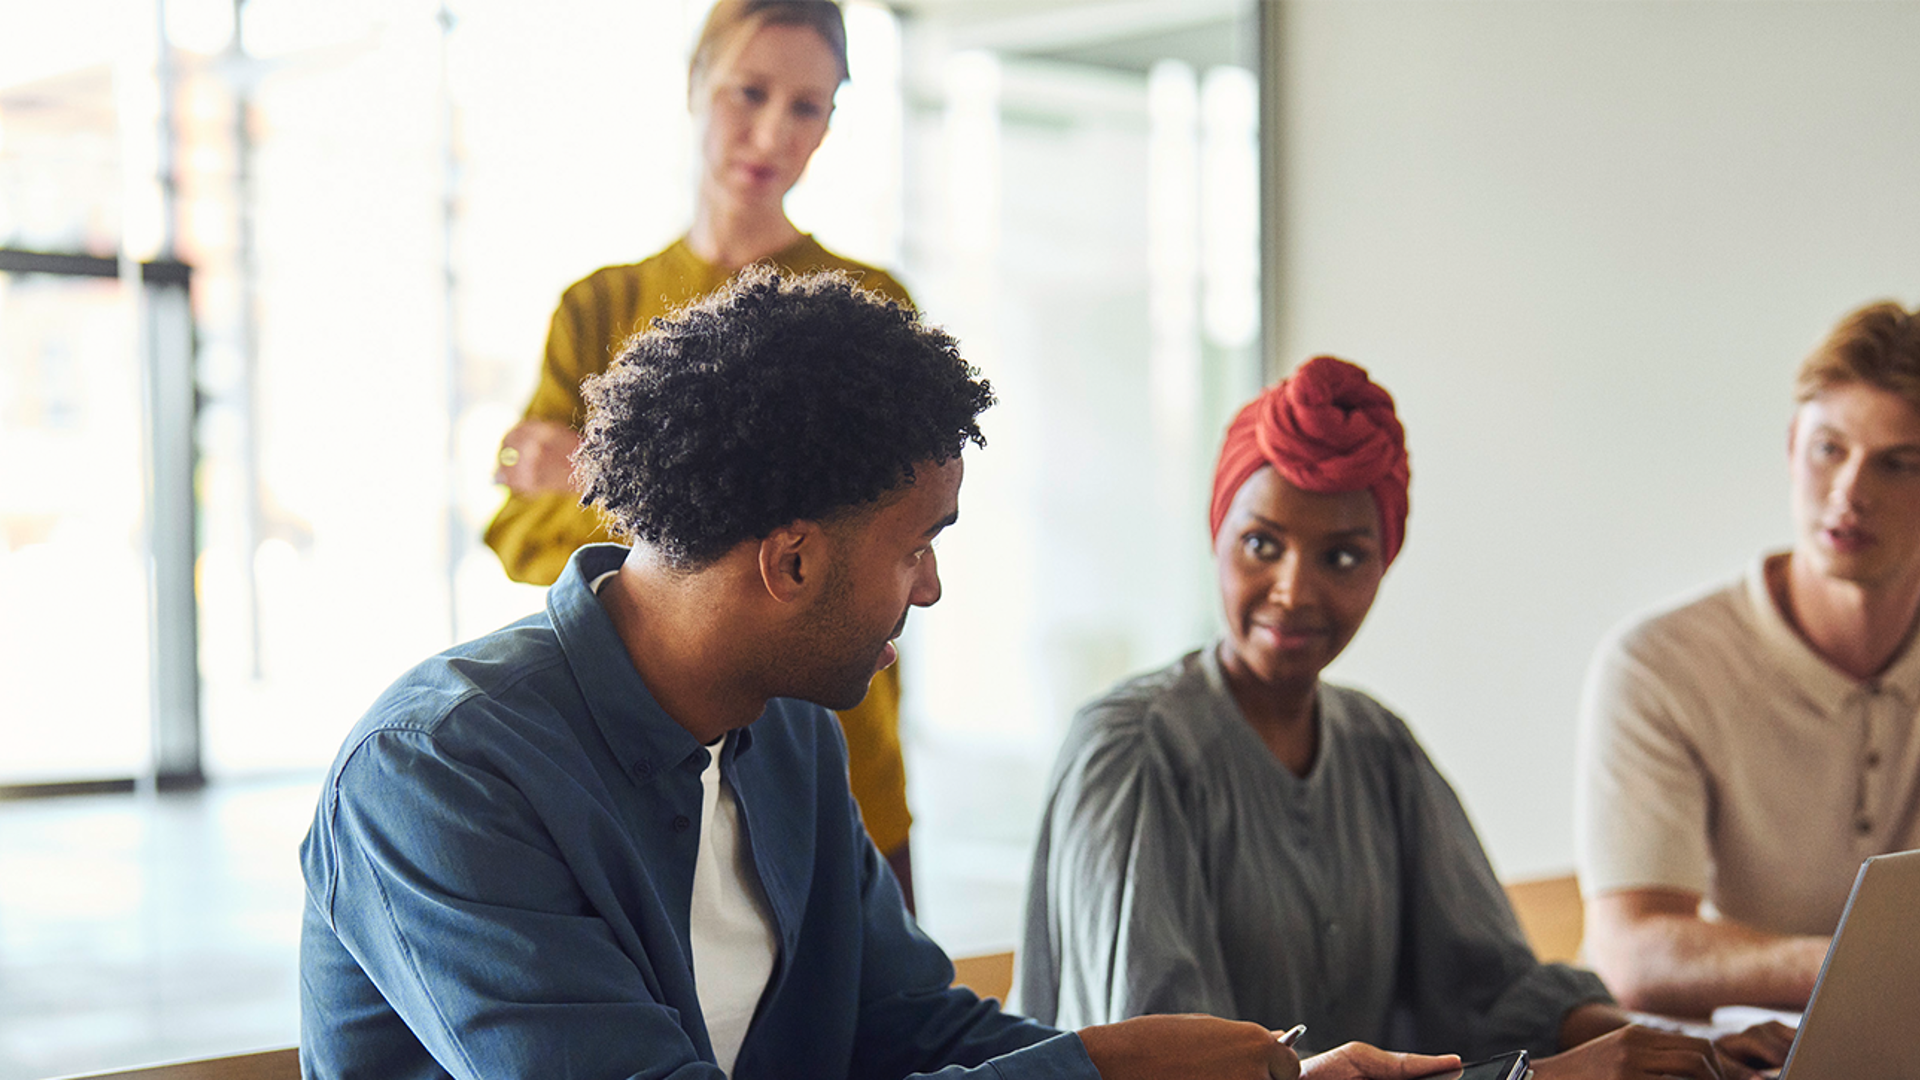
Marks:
<point>732,22</point>
<point>1878,345</point>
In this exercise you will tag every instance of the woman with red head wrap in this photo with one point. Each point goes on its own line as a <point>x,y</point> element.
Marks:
<point>1231,835</point>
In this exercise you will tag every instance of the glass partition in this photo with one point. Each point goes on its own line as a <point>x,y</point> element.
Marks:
<point>382,204</point>
<point>1082,211</point>
<point>74,640</point>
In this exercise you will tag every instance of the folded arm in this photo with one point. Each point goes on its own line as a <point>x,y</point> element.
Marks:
<point>536,457</point>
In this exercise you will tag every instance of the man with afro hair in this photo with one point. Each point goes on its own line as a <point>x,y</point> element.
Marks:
<point>615,839</point>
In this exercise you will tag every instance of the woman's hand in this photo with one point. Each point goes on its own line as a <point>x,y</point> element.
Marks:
<point>1762,1046</point>
<point>1191,1045</point>
<point>1636,1051</point>
<point>1359,1061</point>
<point>536,456</point>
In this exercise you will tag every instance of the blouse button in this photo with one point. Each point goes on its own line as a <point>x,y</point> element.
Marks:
<point>681,823</point>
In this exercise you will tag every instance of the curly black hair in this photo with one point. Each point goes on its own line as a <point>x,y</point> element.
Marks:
<point>776,399</point>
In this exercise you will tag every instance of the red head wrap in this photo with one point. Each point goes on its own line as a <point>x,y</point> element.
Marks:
<point>1325,428</point>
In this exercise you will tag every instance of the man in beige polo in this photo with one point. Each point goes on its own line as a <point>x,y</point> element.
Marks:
<point>1742,753</point>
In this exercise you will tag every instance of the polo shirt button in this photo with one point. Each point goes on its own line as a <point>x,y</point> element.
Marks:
<point>681,823</point>
<point>1863,826</point>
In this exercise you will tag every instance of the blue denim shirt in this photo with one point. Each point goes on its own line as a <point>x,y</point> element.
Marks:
<point>499,872</point>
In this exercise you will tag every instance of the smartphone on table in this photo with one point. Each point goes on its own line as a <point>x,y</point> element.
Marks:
<point>1511,1066</point>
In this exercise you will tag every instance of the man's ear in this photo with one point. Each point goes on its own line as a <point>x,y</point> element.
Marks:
<point>791,557</point>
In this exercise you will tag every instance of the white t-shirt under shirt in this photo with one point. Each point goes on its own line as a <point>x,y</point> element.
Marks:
<point>732,933</point>
<point>1719,754</point>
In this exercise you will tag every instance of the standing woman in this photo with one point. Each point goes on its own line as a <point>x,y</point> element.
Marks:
<point>761,86</point>
<point>1232,835</point>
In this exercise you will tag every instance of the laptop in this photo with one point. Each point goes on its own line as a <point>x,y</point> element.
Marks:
<point>1863,1022</point>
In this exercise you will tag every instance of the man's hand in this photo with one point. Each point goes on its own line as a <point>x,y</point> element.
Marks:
<point>1194,1046</point>
<point>1635,1051</point>
<point>536,456</point>
<point>1762,1046</point>
<point>1358,1061</point>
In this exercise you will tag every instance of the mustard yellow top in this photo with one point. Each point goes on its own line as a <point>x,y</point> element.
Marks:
<point>534,535</point>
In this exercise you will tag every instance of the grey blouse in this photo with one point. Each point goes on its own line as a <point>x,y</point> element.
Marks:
<point>1182,868</point>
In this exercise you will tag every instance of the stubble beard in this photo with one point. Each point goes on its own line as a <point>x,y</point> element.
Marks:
<point>834,665</point>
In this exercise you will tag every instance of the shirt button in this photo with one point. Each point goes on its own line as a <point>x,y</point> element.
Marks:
<point>643,767</point>
<point>681,823</point>
<point>1863,826</point>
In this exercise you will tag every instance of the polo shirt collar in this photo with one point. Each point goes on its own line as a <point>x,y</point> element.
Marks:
<point>1903,675</point>
<point>1808,668</point>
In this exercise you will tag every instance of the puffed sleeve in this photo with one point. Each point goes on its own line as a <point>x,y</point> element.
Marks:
<point>1475,985</point>
<point>1119,919</point>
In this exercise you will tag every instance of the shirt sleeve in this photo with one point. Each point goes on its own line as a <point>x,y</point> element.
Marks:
<point>877,768</point>
<point>884,283</point>
<point>1640,795</point>
<point>588,328</point>
<point>438,878</point>
<point>1062,1057</point>
<point>1119,919</point>
<point>1475,985</point>
<point>910,1019</point>
<point>534,535</point>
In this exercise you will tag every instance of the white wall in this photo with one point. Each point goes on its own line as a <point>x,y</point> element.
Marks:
<point>1584,244</point>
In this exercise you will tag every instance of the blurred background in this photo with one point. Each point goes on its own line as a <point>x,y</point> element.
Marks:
<point>280,274</point>
<point>274,278</point>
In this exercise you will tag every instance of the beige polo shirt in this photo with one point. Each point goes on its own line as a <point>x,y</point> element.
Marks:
<point>1719,754</point>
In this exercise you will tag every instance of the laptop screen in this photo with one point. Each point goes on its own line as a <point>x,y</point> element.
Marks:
<point>1864,1018</point>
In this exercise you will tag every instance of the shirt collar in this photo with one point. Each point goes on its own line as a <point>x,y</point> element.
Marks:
<point>646,741</point>
<point>1903,675</point>
<point>1806,666</point>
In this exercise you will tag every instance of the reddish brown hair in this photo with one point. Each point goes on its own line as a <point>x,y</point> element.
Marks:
<point>1878,345</point>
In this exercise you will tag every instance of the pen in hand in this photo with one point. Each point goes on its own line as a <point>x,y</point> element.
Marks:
<point>1286,1038</point>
